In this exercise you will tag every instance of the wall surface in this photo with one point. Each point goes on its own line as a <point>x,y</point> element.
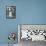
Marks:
<point>27,12</point>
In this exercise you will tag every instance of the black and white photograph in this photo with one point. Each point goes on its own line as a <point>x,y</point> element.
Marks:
<point>10,12</point>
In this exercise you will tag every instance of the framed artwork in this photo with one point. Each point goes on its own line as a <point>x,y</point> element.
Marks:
<point>10,12</point>
<point>32,32</point>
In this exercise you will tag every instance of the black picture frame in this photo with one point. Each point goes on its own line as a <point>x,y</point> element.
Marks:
<point>10,12</point>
